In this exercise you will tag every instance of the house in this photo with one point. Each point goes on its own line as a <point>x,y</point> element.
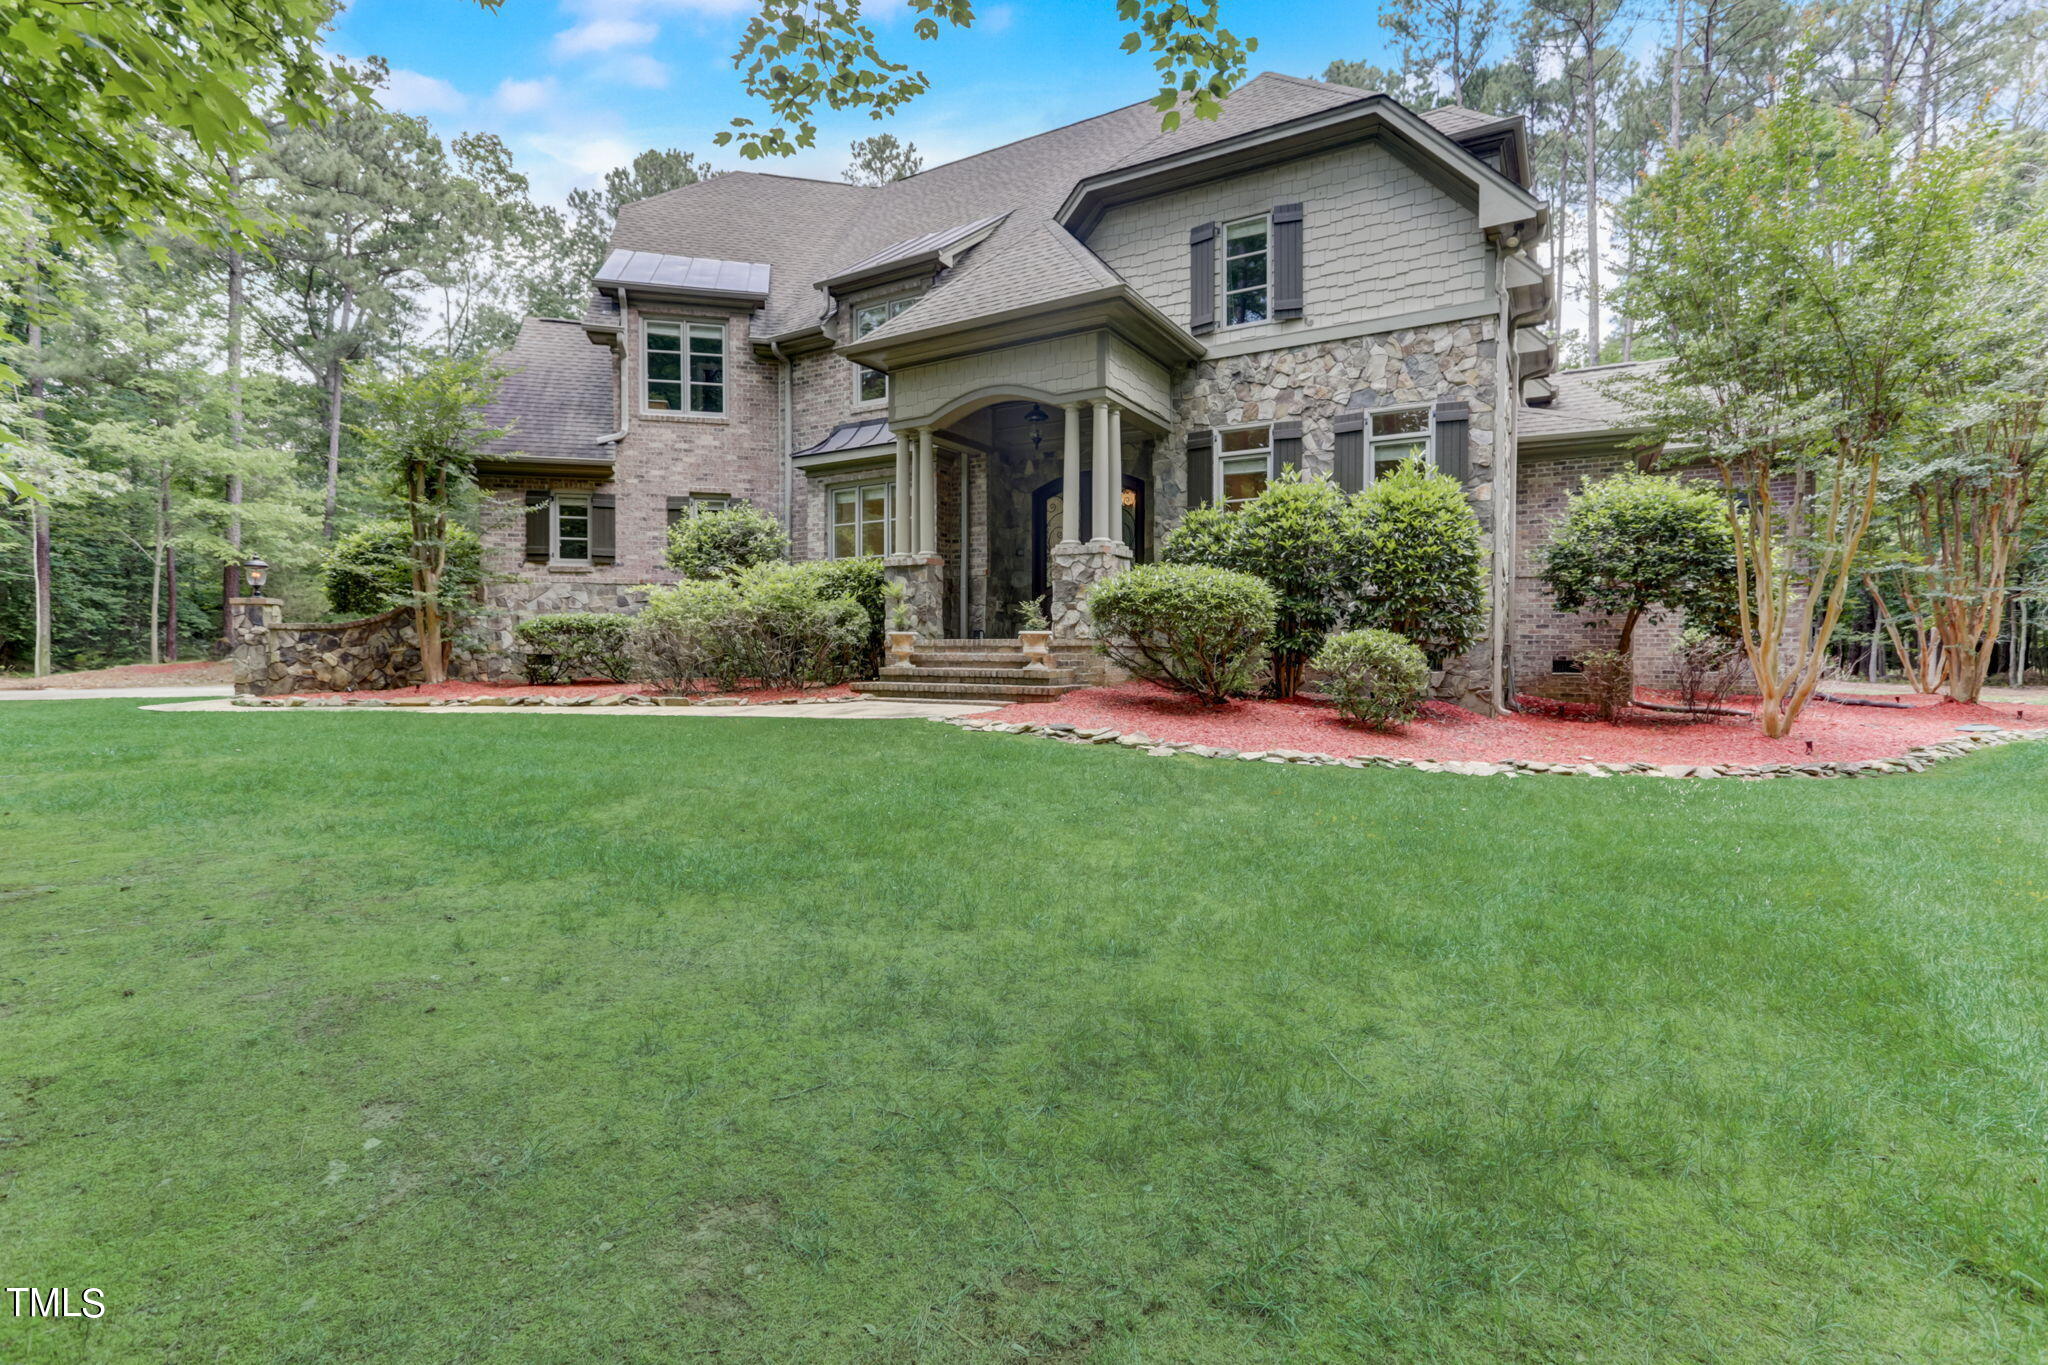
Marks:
<point>1011,374</point>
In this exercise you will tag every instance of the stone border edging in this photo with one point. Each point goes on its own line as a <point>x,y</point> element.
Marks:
<point>1914,760</point>
<point>343,700</point>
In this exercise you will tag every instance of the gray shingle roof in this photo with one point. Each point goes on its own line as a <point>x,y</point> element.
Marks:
<point>925,244</point>
<point>812,230</point>
<point>1583,405</point>
<point>1455,120</point>
<point>557,395</point>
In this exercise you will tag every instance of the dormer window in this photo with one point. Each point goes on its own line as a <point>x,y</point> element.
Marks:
<point>872,386</point>
<point>1247,272</point>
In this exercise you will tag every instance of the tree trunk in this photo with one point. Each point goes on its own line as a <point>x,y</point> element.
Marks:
<point>1672,134</point>
<point>334,374</point>
<point>2019,642</point>
<point>231,572</point>
<point>171,603</point>
<point>1592,206</point>
<point>39,525</point>
<point>156,571</point>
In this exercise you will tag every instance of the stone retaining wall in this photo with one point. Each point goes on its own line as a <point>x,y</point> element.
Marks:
<point>270,656</point>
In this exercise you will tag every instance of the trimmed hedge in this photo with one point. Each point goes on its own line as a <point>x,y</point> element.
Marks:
<point>860,580</point>
<point>1373,676</point>
<point>1187,626</point>
<point>773,624</point>
<point>577,644</point>
<point>720,544</point>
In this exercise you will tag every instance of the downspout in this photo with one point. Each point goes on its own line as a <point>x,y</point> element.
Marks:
<point>619,369</point>
<point>1507,476</point>
<point>782,395</point>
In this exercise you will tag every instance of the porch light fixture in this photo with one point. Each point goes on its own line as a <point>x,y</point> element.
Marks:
<point>256,570</point>
<point>1130,498</point>
<point>1036,419</point>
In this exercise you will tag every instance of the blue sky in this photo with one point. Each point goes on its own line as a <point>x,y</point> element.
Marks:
<point>576,87</point>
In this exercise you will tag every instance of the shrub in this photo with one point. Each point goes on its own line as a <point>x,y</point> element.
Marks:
<point>1639,544</point>
<point>719,544</point>
<point>862,581</point>
<point>1610,679</point>
<point>1190,627</point>
<point>369,570</point>
<point>772,624</point>
<point>1705,664</point>
<point>1294,536</point>
<point>577,644</point>
<point>1423,576</point>
<point>1373,676</point>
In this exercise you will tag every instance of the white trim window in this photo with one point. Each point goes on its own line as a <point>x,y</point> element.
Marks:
<point>685,367</point>
<point>872,386</point>
<point>863,520</point>
<point>569,536</point>
<point>1398,436</point>
<point>1244,463</point>
<point>1247,272</point>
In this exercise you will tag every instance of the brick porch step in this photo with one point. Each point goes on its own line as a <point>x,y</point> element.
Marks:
<point>1008,675</point>
<point>962,658</point>
<point>962,691</point>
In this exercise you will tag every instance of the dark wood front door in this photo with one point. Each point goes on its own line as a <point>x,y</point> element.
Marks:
<point>1046,503</point>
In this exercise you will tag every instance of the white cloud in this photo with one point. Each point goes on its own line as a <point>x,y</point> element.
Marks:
<point>996,18</point>
<point>585,156</point>
<point>525,97</point>
<point>603,34</point>
<point>637,68</point>
<point>415,93</point>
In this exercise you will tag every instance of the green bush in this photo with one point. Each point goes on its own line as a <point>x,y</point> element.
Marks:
<point>1294,536</point>
<point>1421,570</point>
<point>1190,627</point>
<point>1635,545</point>
<point>369,570</point>
<point>861,580</point>
<point>1373,676</point>
<point>1610,678</point>
<point>771,624</point>
<point>720,544</point>
<point>565,646</point>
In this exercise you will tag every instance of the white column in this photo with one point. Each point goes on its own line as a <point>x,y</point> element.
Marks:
<point>904,485</point>
<point>1104,460</point>
<point>927,494</point>
<point>1071,491</point>
<point>1113,528</point>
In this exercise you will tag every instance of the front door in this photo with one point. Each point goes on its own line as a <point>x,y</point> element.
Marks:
<point>1045,526</point>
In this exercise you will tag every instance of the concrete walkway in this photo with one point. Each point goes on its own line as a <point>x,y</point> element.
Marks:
<point>863,709</point>
<point>113,693</point>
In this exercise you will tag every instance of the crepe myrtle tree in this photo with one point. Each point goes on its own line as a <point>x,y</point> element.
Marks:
<point>423,430</point>
<point>1636,545</point>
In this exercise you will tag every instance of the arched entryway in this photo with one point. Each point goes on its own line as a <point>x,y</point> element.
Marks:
<point>1045,524</point>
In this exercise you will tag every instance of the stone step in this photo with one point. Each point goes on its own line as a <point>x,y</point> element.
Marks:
<point>962,658</point>
<point>956,691</point>
<point>998,642</point>
<point>952,672</point>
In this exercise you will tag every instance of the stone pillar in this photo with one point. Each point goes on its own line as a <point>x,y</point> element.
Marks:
<point>1071,492</point>
<point>922,578</point>
<point>1075,567</point>
<point>904,483</point>
<point>927,494</point>
<point>249,623</point>
<point>1105,481</point>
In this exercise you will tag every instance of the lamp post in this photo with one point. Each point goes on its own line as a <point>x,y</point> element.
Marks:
<point>256,571</point>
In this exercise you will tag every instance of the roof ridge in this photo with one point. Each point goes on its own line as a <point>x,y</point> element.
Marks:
<point>758,175</point>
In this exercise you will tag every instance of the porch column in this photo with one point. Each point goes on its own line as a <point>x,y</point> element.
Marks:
<point>904,485</point>
<point>927,494</point>
<point>1070,476</point>
<point>1105,480</point>
<point>1113,528</point>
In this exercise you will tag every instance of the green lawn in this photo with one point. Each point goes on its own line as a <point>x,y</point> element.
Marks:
<point>363,1037</point>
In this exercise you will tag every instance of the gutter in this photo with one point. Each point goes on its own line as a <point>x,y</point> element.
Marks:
<point>782,387</point>
<point>619,369</point>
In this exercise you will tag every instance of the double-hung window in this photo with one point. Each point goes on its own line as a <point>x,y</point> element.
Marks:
<point>1397,437</point>
<point>1247,272</point>
<point>861,520</point>
<point>686,367</point>
<point>1244,462</point>
<point>872,386</point>
<point>571,538</point>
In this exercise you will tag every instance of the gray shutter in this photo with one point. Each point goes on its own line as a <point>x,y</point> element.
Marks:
<point>1350,455</point>
<point>1201,468</point>
<point>1286,447</point>
<point>1453,423</point>
<point>604,528</point>
<point>1202,279</point>
<point>678,508</point>
<point>539,531</point>
<point>1286,260</point>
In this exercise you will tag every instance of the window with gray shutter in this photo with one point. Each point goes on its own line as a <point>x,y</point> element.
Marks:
<point>1287,260</point>
<point>1202,279</point>
<point>1201,468</point>
<point>1453,423</point>
<point>539,526</point>
<point>1349,459</point>
<point>1286,447</point>
<point>604,528</point>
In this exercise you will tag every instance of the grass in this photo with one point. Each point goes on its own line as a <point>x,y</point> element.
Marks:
<point>384,1037</point>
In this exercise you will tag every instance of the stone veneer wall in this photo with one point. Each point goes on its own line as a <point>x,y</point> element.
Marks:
<point>1311,384</point>
<point>275,657</point>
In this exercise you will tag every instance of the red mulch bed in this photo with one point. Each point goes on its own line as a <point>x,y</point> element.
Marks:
<point>196,671</point>
<point>456,691</point>
<point>1553,732</point>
